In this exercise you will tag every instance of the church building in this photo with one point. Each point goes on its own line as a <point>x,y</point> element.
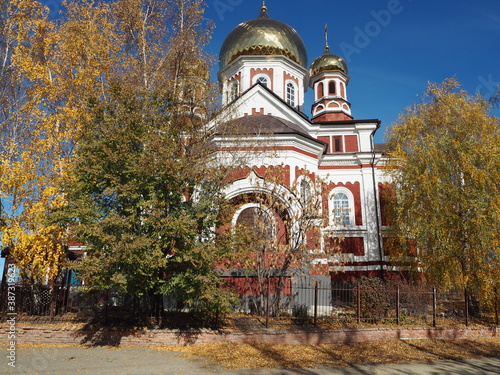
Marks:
<point>328,154</point>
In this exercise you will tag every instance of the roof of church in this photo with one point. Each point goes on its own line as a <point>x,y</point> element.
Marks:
<point>263,36</point>
<point>381,147</point>
<point>265,124</point>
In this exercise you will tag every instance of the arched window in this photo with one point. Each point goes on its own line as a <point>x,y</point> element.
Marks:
<point>258,222</point>
<point>319,90</point>
<point>332,88</point>
<point>341,209</point>
<point>234,91</point>
<point>305,192</point>
<point>290,94</point>
<point>263,80</point>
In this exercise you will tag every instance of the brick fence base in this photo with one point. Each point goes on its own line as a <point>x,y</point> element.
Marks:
<point>31,334</point>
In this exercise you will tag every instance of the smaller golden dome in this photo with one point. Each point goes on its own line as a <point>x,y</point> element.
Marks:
<point>328,62</point>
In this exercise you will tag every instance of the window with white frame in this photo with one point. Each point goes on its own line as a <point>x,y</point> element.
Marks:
<point>263,79</point>
<point>319,91</point>
<point>233,90</point>
<point>290,94</point>
<point>341,214</point>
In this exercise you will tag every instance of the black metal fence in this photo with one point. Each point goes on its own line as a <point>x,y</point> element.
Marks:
<point>44,303</point>
<point>313,303</point>
<point>395,304</point>
<point>49,304</point>
<point>375,302</point>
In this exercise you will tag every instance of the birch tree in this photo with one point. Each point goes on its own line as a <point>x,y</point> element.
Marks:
<point>445,160</point>
<point>30,143</point>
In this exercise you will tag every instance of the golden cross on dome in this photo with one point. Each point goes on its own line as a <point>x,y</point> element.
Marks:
<point>263,8</point>
<point>327,47</point>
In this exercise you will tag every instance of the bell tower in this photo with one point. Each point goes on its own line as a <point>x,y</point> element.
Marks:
<point>329,79</point>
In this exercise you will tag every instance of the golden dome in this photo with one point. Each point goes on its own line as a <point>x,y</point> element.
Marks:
<point>263,36</point>
<point>327,62</point>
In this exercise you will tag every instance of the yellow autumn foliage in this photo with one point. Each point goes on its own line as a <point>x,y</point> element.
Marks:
<point>40,253</point>
<point>445,162</point>
<point>52,71</point>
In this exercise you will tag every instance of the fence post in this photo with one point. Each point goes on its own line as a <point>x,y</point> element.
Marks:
<point>496,306</point>
<point>66,291</point>
<point>53,297</point>
<point>434,307</point>
<point>466,307</point>
<point>268,301</point>
<point>316,290</point>
<point>106,308</point>
<point>397,305</point>
<point>358,309</point>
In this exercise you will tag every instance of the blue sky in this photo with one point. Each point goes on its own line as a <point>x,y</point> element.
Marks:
<point>393,47</point>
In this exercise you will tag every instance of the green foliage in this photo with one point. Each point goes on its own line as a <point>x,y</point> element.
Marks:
<point>374,304</point>
<point>142,194</point>
<point>445,162</point>
<point>132,203</point>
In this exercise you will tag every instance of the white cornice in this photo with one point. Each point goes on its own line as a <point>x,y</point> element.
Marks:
<point>354,159</point>
<point>268,61</point>
<point>346,126</point>
<point>329,74</point>
<point>271,141</point>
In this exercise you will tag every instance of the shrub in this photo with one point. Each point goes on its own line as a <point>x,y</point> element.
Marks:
<point>374,304</point>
